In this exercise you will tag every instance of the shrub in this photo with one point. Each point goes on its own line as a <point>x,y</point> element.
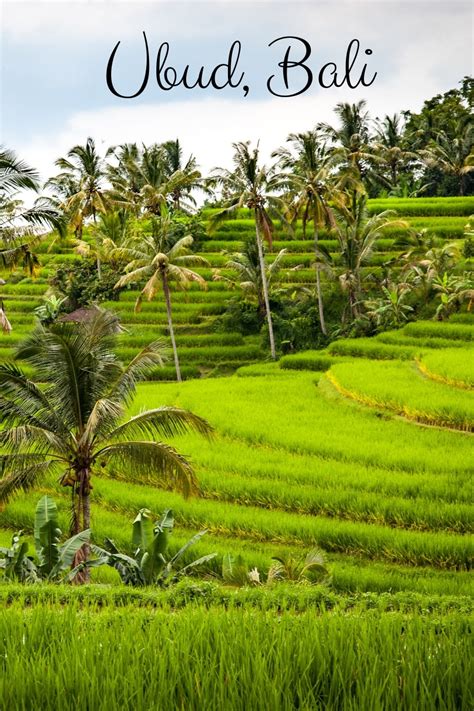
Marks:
<point>80,286</point>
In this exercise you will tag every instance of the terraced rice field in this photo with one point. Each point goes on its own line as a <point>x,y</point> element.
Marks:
<point>365,450</point>
<point>202,351</point>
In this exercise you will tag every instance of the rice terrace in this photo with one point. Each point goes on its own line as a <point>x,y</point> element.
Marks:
<point>237,416</point>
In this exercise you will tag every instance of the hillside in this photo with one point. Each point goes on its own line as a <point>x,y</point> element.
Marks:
<point>203,351</point>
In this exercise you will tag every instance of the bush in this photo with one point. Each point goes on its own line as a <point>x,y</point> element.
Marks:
<point>241,317</point>
<point>80,286</point>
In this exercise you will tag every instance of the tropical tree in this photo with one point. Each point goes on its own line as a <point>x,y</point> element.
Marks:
<point>351,137</point>
<point>80,186</point>
<point>74,424</point>
<point>390,310</point>
<point>453,155</point>
<point>356,233</point>
<point>5,325</point>
<point>453,290</point>
<point>21,228</point>
<point>150,540</point>
<point>189,177</point>
<point>251,185</point>
<point>146,179</point>
<point>309,171</point>
<point>248,276</point>
<point>53,560</point>
<point>162,257</point>
<point>389,146</point>
<point>124,176</point>
<point>111,231</point>
<point>441,259</point>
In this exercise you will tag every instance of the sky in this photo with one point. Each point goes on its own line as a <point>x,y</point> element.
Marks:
<point>54,54</point>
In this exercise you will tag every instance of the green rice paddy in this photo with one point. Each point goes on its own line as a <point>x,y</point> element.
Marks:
<point>364,449</point>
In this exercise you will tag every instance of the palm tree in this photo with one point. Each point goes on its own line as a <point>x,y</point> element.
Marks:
<point>74,425</point>
<point>250,185</point>
<point>15,174</point>
<point>81,186</point>
<point>111,232</point>
<point>151,177</point>
<point>246,266</point>
<point>186,175</point>
<point>351,143</point>
<point>453,156</point>
<point>19,225</point>
<point>356,234</point>
<point>161,258</point>
<point>390,148</point>
<point>351,138</point>
<point>453,290</point>
<point>311,180</point>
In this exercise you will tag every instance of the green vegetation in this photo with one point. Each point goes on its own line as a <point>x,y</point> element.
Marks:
<point>453,367</point>
<point>312,659</point>
<point>336,490</point>
<point>394,386</point>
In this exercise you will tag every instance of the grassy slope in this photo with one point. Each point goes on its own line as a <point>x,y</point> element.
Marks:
<point>292,464</point>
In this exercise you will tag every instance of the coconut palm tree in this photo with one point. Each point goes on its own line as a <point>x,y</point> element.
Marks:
<point>80,186</point>
<point>124,176</point>
<point>161,258</point>
<point>351,137</point>
<point>351,143</point>
<point>19,225</point>
<point>309,170</point>
<point>144,179</point>
<point>189,177</point>
<point>453,156</point>
<point>356,233</point>
<point>246,266</point>
<point>250,185</point>
<point>74,423</point>
<point>111,231</point>
<point>389,146</point>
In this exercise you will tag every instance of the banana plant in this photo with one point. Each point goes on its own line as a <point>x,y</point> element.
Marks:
<point>15,563</point>
<point>53,560</point>
<point>148,565</point>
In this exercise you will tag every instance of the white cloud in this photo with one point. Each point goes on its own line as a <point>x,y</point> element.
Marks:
<point>205,128</point>
<point>420,49</point>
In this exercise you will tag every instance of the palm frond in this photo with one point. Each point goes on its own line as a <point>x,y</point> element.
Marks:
<point>157,461</point>
<point>153,355</point>
<point>161,422</point>
<point>23,476</point>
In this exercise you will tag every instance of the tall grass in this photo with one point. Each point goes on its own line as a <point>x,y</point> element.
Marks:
<point>455,366</point>
<point>349,573</point>
<point>371,348</point>
<point>80,659</point>
<point>440,329</point>
<point>329,428</point>
<point>398,387</point>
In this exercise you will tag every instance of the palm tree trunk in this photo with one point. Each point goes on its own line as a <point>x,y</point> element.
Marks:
<point>318,280</point>
<point>81,522</point>
<point>166,291</point>
<point>265,288</point>
<point>99,269</point>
